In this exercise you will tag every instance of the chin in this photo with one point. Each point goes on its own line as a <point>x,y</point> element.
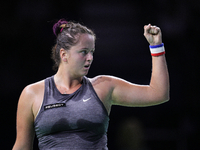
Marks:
<point>85,73</point>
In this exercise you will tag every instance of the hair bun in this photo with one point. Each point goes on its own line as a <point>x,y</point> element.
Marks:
<point>56,26</point>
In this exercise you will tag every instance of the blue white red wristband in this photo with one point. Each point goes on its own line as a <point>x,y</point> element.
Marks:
<point>157,50</point>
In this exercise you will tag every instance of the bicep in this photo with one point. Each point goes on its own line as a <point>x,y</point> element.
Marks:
<point>129,94</point>
<point>25,122</point>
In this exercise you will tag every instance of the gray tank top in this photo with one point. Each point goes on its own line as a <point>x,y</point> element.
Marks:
<point>71,121</point>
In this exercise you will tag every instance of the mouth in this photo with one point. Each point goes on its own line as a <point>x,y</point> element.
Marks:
<point>87,66</point>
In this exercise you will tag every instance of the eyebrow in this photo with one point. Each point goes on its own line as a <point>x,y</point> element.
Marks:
<point>88,49</point>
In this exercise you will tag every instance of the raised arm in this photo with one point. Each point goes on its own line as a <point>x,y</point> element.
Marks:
<point>129,94</point>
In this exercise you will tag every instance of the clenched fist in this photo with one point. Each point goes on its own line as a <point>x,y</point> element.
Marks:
<point>153,34</point>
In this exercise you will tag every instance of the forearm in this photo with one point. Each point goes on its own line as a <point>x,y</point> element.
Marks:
<point>160,78</point>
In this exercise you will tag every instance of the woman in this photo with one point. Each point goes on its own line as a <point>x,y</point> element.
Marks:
<point>69,110</point>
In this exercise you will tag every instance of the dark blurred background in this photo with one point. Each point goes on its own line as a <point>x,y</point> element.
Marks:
<point>121,50</point>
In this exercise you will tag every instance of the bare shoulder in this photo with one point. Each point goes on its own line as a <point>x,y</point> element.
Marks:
<point>31,93</point>
<point>32,97</point>
<point>33,89</point>
<point>103,79</point>
<point>107,80</point>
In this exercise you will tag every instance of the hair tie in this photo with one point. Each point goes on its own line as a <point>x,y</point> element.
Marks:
<point>63,26</point>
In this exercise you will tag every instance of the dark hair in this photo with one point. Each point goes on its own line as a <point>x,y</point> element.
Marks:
<point>67,34</point>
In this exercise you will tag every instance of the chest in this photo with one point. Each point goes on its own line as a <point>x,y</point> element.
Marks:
<point>77,113</point>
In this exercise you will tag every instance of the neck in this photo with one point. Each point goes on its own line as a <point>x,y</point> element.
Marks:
<point>66,83</point>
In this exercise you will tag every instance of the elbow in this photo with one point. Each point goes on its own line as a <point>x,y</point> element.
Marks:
<point>159,99</point>
<point>167,96</point>
<point>164,95</point>
<point>164,98</point>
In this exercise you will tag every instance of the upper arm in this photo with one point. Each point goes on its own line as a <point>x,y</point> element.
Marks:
<point>129,94</point>
<point>25,120</point>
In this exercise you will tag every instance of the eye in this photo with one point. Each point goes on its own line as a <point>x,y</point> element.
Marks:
<point>92,51</point>
<point>84,52</point>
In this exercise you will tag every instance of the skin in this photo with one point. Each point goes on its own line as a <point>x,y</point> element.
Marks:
<point>75,64</point>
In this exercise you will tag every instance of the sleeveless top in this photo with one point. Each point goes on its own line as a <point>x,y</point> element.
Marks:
<point>71,121</point>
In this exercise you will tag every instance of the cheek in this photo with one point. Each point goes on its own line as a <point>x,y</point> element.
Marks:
<point>81,58</point>
<point>79,61</point>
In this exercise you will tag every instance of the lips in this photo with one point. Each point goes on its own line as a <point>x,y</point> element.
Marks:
<point>87,66</point>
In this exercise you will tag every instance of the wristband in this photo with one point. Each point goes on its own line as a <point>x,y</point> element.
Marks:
<point>157,50</point>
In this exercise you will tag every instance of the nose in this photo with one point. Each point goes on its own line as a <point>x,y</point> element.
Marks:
<point>90,57</point>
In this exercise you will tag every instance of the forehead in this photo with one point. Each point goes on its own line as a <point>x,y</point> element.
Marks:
<point>86,40</point>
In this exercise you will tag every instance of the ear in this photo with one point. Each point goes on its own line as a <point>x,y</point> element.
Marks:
<point>63,55</point>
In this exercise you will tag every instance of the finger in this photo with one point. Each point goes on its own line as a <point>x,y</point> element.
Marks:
<point>154,30</point>
<point>146,28</point>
